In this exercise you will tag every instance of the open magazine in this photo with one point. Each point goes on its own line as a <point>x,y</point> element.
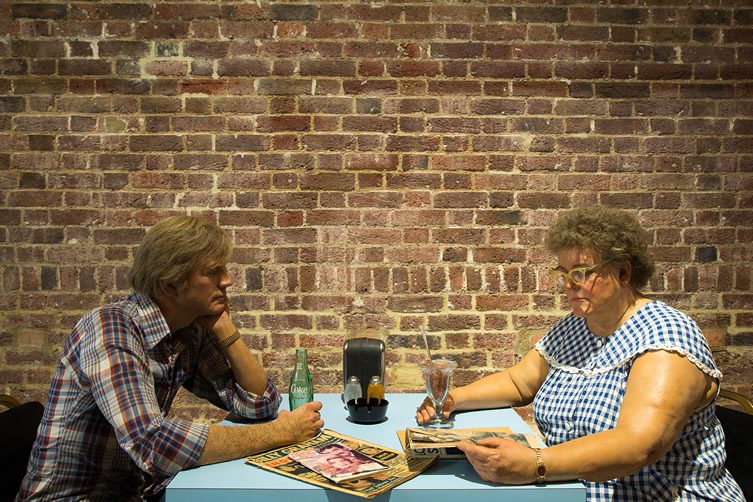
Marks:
<point>399,468</point>
<point>442,443</point>
<point>338,462</point>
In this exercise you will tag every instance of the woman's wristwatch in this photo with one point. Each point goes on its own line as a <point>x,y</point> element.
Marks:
<point>540,467</point>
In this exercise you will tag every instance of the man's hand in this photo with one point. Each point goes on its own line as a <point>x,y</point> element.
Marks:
<point>300,424</point>
<point>501,461</point>
<point>219,325</point>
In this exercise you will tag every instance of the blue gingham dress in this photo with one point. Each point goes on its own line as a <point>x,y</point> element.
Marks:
<point>583,392</point>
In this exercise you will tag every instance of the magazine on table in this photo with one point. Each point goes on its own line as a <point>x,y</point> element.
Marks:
<point>442,443</point>
<point>398,467</point>
<point>338,462</point>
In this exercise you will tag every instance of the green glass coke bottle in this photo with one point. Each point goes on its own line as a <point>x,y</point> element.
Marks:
<point>301,389</point>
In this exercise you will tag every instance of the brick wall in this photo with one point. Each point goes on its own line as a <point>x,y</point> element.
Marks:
<point>379,165</point>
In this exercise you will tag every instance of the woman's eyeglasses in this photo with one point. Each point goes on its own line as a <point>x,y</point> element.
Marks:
<point>577,276</point>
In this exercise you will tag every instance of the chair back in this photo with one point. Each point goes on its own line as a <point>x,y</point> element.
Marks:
<point>737,427</point>
<point>18,430</point>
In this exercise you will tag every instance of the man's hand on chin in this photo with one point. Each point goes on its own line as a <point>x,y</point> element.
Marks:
<point>219,325</point>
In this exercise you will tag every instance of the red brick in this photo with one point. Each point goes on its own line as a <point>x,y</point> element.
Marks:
<point>158,180</point>
<point>453,322</point>
<point>370,87</point>
<point>331,68</point>
<point>37,48</point>
<point>243,67</point>
<point>413,68</point>
<point>155,143</point>
<point>460,199</point>
<point>497,69</point>
<point>38,11</point>
<point>412,143</point>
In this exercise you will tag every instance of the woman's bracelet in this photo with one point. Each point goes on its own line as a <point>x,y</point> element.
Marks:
<point>228,341</point>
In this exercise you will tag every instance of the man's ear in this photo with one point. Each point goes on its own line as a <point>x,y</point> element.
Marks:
<point>167,289</point>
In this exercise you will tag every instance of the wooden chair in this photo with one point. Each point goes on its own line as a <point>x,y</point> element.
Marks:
<point>743,401</point>
<point>9,401</point>
<point>737,427</point>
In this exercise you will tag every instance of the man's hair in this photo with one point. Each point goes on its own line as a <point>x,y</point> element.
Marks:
<point>615,234</point>
<point>172,248</point>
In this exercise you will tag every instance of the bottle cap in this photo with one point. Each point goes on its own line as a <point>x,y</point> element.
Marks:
<point>376,379</point>
<point>354,378</point>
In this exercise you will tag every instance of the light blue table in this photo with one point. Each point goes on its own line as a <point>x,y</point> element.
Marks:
<point>446,481</point>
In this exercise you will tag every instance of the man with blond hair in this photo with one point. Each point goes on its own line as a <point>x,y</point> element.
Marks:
<point>106,431</point>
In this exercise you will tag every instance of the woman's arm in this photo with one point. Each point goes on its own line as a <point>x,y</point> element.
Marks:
<point>663,390</point>
<point>514,386</point>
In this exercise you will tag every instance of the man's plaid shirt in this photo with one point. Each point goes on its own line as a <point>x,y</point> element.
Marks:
<point>105,433</point>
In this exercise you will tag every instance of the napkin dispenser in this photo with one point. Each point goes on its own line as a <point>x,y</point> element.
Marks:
<point>364,358</point>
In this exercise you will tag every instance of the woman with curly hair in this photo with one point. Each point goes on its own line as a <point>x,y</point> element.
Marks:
<point>623,387</point>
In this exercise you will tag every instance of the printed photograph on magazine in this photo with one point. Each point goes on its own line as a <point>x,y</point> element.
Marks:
<point>338,462</point>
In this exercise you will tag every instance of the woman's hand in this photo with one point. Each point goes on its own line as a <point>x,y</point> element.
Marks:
<point>426,411</point>
<point>501,461</point>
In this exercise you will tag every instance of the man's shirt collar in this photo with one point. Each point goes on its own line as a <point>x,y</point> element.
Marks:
<point>152,321</point>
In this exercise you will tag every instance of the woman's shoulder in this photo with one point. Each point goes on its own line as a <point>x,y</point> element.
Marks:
<point>658,326</point>
<point>657,321</point>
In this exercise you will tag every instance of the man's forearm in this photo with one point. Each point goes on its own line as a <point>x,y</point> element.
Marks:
<point>229,442</point>
<point>248,371</point>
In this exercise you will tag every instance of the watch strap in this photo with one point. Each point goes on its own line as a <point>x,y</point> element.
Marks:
<point>540,467</point>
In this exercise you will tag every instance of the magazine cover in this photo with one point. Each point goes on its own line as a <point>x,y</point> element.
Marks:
<point>338,462</point>
<point>399,469</point>
<point>442,443</point>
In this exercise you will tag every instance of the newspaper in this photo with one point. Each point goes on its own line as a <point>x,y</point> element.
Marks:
<point>400,467</point>
<point>442,443</point>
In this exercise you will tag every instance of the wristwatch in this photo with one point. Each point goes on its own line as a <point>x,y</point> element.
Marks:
<point>540,467</point>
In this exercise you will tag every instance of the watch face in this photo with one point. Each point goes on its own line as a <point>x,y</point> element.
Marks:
<point>541,471</point>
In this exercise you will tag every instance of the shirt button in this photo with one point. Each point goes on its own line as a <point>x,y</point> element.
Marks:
<point>568,426</point>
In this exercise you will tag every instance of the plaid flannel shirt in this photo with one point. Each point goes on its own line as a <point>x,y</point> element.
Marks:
<point>105,433</point>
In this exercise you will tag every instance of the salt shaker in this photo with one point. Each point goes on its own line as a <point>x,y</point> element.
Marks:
<point>352,389</point>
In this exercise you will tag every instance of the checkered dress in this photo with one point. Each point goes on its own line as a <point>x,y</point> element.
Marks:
<point>106,433</point>
<point>583,392</point>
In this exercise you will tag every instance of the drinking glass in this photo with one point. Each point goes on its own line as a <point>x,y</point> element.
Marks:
<point>437,374</point>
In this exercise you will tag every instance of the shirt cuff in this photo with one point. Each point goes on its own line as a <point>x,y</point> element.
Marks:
<point>253,406</point>
<point>183,447</point>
